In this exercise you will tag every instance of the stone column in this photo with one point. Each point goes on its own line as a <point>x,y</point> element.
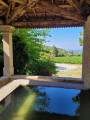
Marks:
<point>86,53</point>
<point>8,50</point>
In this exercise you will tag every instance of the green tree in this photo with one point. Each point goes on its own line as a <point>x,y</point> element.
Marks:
<point>55,51</point>
<point>81,39</point>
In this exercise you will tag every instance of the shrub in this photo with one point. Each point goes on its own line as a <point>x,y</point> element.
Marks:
<point>42,67</point>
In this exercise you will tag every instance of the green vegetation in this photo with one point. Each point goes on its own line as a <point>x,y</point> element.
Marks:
<point>81,39</point>
<point>28,44</point>
<point>58,52</point>
<point>71,60</point>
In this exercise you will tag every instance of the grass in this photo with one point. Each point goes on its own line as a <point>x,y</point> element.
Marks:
<point>74,73</point>
<point>71,59</point>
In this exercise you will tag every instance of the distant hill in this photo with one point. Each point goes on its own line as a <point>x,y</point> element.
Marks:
<point>59,52</point>
<point>77,50</point>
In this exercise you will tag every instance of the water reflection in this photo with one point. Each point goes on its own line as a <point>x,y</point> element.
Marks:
<point>41,103</point>
<point>61,68</point>
<point>76,99</point>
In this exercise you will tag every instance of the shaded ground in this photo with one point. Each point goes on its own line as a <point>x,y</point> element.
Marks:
<point>69,70</point>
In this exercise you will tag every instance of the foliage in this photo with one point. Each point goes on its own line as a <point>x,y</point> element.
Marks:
<point>81,39</point>
<point>41,67</point>
<point>20,56</point>
<point>72,59</point>
<point>55,51</point>
<point>27,46</point>
<point>30,44</point>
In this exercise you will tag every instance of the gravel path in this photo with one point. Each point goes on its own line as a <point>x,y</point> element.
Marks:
<point>61,66</point>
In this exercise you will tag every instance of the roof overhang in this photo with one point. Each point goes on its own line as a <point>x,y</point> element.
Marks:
<point>44,13</point>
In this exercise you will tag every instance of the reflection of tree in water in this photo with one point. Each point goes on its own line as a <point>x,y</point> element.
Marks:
<point>83,98</point>
<point>42,100</point>
<point>76,99</point>
<point>2,107</point>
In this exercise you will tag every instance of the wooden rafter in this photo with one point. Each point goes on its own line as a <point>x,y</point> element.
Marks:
<point>60,11</point>
<point>8,12</point>
<point>3,3</point>
<point>34,11</point>
<point>2,13</point>
<point>87,1</point>
<point>21,10</point>
<point>76,5</point>
<point>81,1</point>
<point>19,1</point>
<point>45,23</point>
<point>1,22</point>
<point>65,6</point>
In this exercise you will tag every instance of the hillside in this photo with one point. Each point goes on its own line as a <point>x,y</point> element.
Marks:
<point>59,52</point>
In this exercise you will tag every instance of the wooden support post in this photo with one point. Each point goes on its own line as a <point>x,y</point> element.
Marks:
<point>86,53</point>
<point>8,69</point>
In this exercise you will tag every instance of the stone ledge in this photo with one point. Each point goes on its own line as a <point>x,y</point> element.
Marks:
<point>59,85</point>
<point>4,80</point>
<point>48,78</point>
<point>10,87</point>
<point>7,89</point>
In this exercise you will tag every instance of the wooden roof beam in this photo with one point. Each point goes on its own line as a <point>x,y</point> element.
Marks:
<point>76,5</point>
<point>21,10</point>
<point>45,23</point>
<point>87,1</point>
<point>1,22</point>
<point>46,6</point>
<point>65,6</point>
<point>2,13</point>
<point>3,3</point>
<point>19,1</point>
<point>81,1</point>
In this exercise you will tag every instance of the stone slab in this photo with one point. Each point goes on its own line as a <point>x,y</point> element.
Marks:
<point>48,78</point>
<point>4,80</point>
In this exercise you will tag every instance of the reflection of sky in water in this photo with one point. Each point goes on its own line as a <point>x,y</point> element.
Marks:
<point>61,100</point>
<point>61,68</point>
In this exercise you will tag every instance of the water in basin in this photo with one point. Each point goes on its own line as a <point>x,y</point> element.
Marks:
<point>41,103</point>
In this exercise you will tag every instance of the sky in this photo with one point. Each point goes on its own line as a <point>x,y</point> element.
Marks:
<point>66,38</point>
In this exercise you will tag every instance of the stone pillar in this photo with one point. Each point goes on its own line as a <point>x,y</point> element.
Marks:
<point>86,53</point>
<point>8,50</point>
